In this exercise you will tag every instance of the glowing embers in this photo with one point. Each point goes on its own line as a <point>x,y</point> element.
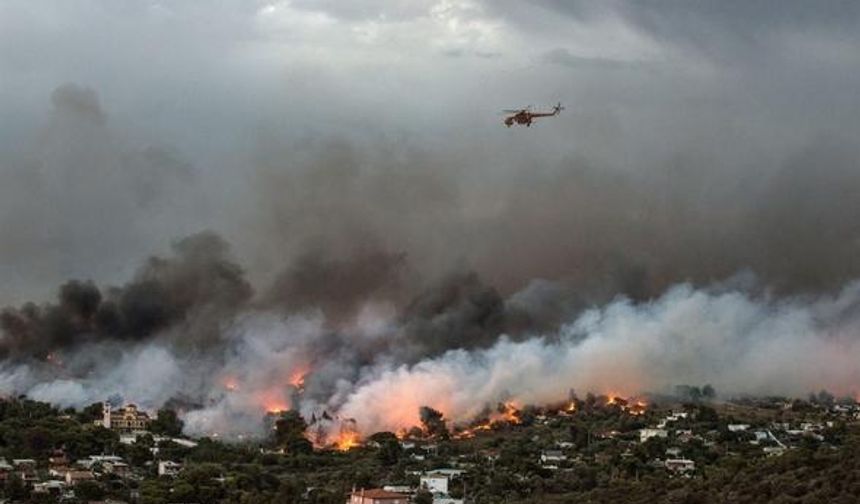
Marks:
<point>297,378</point>
<point>631,406</point>
<point>347,439</point>
<point>505,414</point>
<point>327,432</point>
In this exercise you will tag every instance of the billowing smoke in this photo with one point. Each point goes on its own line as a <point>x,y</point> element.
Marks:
<point>459,347</point>
<point>401,285</point>
<point>381,241</point>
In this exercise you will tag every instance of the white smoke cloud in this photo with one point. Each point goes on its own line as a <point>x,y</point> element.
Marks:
<point>738,343</point>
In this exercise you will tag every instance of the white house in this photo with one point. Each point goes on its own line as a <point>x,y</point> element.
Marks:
<point>168,468</point>
<point>552,456</point>
<point>680,465</point>
<point>435,483</point>
<point>646,434</point>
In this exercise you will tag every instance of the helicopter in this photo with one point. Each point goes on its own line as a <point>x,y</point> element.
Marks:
<point>526,116</point>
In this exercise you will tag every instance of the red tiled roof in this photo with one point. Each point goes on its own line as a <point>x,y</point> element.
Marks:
<point>378,493</point>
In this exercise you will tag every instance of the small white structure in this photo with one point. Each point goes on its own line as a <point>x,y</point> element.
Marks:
<point>168,468</point>
<point>646,434</point>
<point>738,427</point>
<point>187,443</point>
<point>450,472</point>
<point>552,456</point>
<point>680,466</point>
<point>75,477</point>
<point>446,500</point>
<point>435,483</point>
<point>50,486</point>
<point>99,459</point>
<point>773,451</point>
<point>403,489</point>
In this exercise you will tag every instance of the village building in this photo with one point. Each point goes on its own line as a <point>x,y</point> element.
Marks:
<point>680,466</point>
<point>75,477</point>
<point>127,419</point>
<point>673,452</point>
<point>120,469</point>
<point>646,434</point>
<point>446,499</point>
<point>773,451</point>
<point>5,469</point>
<point>738,427</point>
<point>53,487</point>
<point>58,459</point>
<point>376,496</point>
<point>403,489</point>
<point>26,469</point>
<point>168,468</point>
<point>552,456</point>
<point>434,483</point>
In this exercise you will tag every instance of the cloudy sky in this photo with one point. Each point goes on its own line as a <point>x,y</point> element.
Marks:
<point>699,139</point>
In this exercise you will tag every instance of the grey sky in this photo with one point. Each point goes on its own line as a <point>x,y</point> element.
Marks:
<point>718,133</point>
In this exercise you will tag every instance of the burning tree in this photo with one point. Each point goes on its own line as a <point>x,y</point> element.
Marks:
<point>433,422</point>
<point>290,432</point>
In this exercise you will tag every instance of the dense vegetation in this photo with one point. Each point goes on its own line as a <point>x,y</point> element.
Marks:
<point>607,462</point>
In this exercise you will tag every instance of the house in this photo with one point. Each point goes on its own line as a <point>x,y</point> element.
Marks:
<point>738,427</point>
<point>120,469</point>
<point>127,419</point>
<point>490,454</point>
<point>24,464</point>
<point>646,434</point>
<point>403,489</point>
<point>552,456</point>
<point>773,451</point>
<point>5,469</point>
<point>74,477</point>
<point>450,472</point>
<point>99,460</point>
<point>168,468</point>
<point>26,468</point>
<point>446,500</point>
<point>54,487</point>
<point>376,496</point>
<point>58,459</point>
<point>672,417</point>
<point>435,483</point>
<point>680,466</point>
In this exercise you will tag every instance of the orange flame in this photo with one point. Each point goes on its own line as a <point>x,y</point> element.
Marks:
<point>347,440</point>
<point>275,407</point>
<point>297,379</point>
<point>506,413</point>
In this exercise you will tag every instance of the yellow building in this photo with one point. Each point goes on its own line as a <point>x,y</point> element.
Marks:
<point>125,419</point>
